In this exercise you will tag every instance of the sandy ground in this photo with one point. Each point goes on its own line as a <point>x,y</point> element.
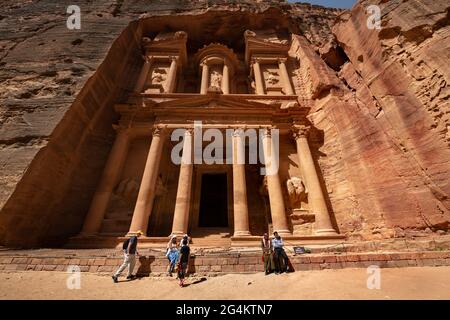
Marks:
<point>404,283</point>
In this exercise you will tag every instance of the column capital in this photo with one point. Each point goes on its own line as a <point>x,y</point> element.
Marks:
<point>267,131</point>
<point>237,132</point>
<point>158,130</point>
<point>173,58</point>
<point>256,60</point>
<point>147,59</point>
<point>282,60</point>
<point>300,131</point>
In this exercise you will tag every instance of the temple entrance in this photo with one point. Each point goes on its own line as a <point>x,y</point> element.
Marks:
<point>213,201</point>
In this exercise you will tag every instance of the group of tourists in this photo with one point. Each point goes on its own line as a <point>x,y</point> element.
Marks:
<point>274,256</point>
<point>178,255</point>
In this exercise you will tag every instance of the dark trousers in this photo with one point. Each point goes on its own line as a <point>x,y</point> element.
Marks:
<point>281,260</point>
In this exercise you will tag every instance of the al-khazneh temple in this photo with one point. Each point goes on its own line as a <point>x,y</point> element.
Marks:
<point>88,116</point>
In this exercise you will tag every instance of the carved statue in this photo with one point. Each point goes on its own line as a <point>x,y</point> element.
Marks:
<point>128,190</point>
<point>273,77</point>
<point>216,79</point>
<point>297,191</point>
<point>159,76</point>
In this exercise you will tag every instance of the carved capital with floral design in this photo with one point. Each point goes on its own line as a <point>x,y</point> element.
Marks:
<point>300,131</point>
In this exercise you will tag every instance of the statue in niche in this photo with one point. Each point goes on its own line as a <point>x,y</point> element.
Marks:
<point>128,190</point>
<point>159,76</point>
<point>298,196</point>
<point>216,79</point>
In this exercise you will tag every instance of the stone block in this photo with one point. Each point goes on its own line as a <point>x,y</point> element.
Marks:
<point>105,269</point>
<point>216,268</point>
<point>84,262</point>
<point>317,259</point>
<point>47,267</point>
<point>60,267</point>
<point>204,268</point>
<point>6,260</point>
<point>239,268</point>
<point>20,260</point>
<point>99,262</point>
<point>227,268</point>
<point>93,268</point>
<point>113,262</point>
<point>74,262</point>
<point>36,261</point>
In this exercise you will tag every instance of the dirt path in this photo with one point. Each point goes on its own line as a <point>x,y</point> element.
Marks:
<point>404,283</point>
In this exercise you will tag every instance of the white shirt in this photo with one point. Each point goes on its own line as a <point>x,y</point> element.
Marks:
<point>277,243</point>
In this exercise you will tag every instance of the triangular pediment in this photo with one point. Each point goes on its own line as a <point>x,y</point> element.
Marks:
<point>215,101</point>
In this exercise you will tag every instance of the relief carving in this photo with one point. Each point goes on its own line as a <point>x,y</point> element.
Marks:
<point>297,191</point>
<point>159,76</point>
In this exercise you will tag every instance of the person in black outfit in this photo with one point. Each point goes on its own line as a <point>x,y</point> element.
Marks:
<point>183,262</point>
<point>129,248</point>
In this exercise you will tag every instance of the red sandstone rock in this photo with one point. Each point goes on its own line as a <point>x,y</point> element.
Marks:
<point>378,99</point>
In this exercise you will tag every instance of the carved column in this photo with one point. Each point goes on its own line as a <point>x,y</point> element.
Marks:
<point>144,203</point>
<point>259,82</point>
<point>285,77</point>
<point>182,205</point>
<point>277,208</point>
<point>143,75</point>
<point>205,78</point>
<point>172,76</point>
<point>111,173</point>
<point>316,199</point>
<point>241,226</point>
<point>225,79</point>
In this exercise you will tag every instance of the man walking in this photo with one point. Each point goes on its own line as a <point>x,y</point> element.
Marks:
<point>130,251</point>
<point>278,253</point>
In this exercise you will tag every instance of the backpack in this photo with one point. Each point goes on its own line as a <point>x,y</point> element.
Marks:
<point>125,244</point>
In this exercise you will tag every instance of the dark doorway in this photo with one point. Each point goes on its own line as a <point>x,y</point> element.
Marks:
<point>213,201</point>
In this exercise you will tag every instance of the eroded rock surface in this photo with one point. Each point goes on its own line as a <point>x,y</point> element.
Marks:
<point>380,97</point>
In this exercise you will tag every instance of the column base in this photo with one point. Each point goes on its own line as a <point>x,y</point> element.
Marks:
<point>134,233</point>
<point>177,233</point>
<point>283,232</point>
<point>325,232</point>
<point>241,234</point>
<point>86,234</point>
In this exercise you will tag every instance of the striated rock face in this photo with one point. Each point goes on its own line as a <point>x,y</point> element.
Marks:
<point>379,98</point>
<point>58,87</point>
<point>387,133</point>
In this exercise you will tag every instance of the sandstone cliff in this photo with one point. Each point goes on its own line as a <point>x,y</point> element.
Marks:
<point>380,97</point>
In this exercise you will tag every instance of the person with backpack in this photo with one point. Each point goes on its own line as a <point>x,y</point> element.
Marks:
<point>129,248</point>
